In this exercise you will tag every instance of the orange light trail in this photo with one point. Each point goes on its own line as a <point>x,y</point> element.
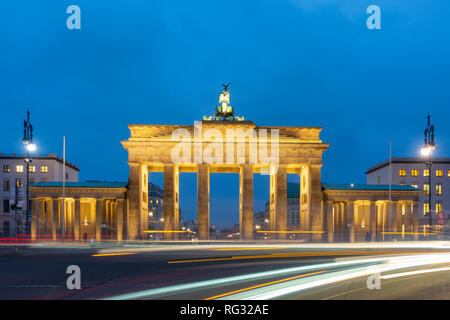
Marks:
<point>290,255</point>
<point>166,231</point>
<point>290,231</point>
<point>243,249</point>
<point>112,254</point>
<point>264,284</point>
<point>399,232</point>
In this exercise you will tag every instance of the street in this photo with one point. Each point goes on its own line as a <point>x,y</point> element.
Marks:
<point>228,271</point>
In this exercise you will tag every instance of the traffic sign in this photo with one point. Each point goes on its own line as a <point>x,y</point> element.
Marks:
<point>440,217</point>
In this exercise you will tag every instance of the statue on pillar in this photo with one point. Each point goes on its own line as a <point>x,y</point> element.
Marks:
<point>224,110</point>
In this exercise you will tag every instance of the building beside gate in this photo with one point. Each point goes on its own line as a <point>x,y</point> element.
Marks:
<point>87,210</point>
<point>13,175</point>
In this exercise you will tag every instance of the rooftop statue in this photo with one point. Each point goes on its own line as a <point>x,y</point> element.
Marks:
<point>224,110</point>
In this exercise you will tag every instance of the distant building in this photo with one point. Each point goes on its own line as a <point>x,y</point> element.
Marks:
<point>261,220</point>
<point>155,208</point>
<point>413,172</point>
<point>293,208</point>
<point>13,175</point>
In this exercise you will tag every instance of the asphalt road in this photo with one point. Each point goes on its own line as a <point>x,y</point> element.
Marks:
<point>251,271</point>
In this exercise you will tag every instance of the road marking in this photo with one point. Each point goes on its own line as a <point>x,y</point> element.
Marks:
<point>264,284</point>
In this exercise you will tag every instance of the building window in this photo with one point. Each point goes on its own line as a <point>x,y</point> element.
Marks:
<point>402,172</point>
<point>6,169</point>
<point>448,173</point>
<point>19,168</point>
<point>32,169</point>
<point>426,188</point>
<point>438,207</point>
<point>439,173</point>
<point>426,173</point>
<point>426,208</point>
<point>379,179</point>
<point>439,189</point>
<point>5,205</point>
<point>67,176</point>
<point>6,185</point>
<point>414,173</point>
<point>44,169</point>
<point>19,183</point>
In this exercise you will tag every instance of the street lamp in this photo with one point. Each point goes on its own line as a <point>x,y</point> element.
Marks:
<point>428,148</point>
<point>30,147</point>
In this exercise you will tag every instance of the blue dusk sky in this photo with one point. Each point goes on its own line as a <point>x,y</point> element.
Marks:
<point>291,63</point>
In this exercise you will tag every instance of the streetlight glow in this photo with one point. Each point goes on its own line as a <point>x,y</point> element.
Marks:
<point>31,147</point>
<point>425,151</point>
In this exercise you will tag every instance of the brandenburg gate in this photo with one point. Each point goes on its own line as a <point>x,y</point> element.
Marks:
<point>225,144</point>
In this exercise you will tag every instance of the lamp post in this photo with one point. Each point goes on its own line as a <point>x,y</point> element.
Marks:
<point>428,148</point>
<point>30,147</point>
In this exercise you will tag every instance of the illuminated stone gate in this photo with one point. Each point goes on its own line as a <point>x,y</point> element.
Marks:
<point>235,146</point>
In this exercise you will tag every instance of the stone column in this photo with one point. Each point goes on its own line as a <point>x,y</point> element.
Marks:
<point>342,221</point>
<point>373,219</point>
<point>305,197</point>
<point>34,218</point>
<point>278,201</point>
<point>407,219</point>
<point>137,194</point>
<point>393,217</point>
<point>246,201</point>
<point>144,203</point>
<point>330,220</point>
<point>350,220</point>
<point>119,219</point>
<point>42,220</point>
<point>399,221</point>
<point>171,200</point>
<point>99,214</point>
<point>203,201</point>
<point>415,220</point>
<point>55,216</point>
<point>316,205</point>
<point>77,219</point>
<point>337,221</point>
<point>380,214</point>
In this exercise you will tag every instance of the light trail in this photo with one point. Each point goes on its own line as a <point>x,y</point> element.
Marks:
<point>291,231</point>
<point>166,231</point>
<point>246,249</point>
<point>264,284</point>
<point>295,286</point>
<point>400,233</point>
<point>233,279</point>
<point>112,254</point>
<point>411,273</point>
<point>292,255</point>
